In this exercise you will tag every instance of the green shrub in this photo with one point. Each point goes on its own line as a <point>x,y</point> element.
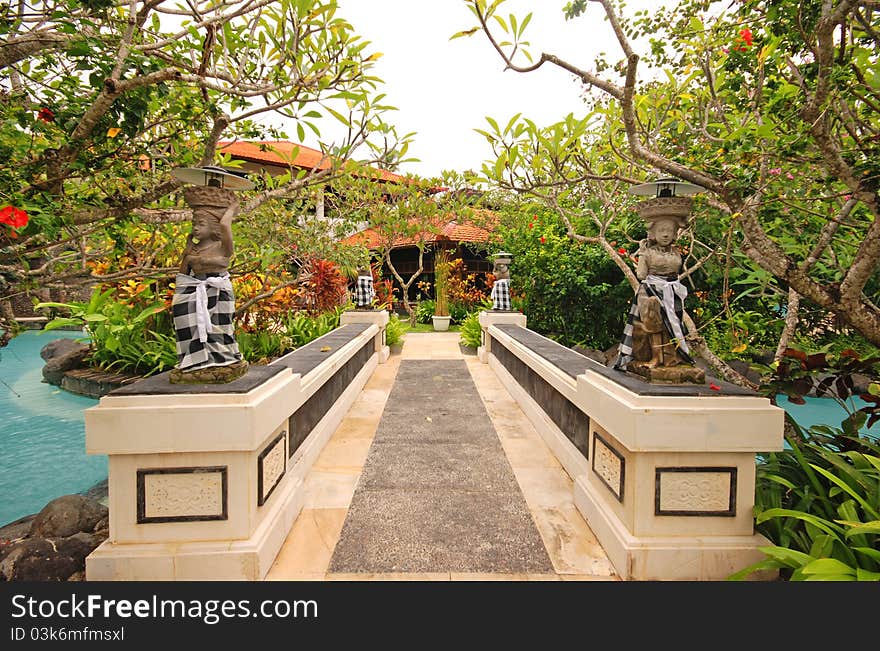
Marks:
<point>394,330</point>
<point>471,330</point>
<point>458,312</point>
<point>134,337</point>
<point>819,504</point>
<point>424,311</point>
<point>262,347</point>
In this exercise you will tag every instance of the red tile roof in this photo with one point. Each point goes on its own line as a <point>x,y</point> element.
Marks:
<point>450,229</point>
<point>280,153</point>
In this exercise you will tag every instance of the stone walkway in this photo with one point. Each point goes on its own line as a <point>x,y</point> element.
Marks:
<point>489,530</point>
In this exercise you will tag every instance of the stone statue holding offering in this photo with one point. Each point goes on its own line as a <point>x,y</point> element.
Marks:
<point>501,288</point>
<point>654,343</point>
<point>204,304</point>
<point>363,290</point>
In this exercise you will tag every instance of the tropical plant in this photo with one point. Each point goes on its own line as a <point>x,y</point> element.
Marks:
<point>263,346</point>
<point>324,287</point>
<point>132,336</point>
<point>441,282</point>
<point>818,501</point>
<point>301,328</point>
<point>425,310</point>
<point>471,333</point>
<point>394,330</point>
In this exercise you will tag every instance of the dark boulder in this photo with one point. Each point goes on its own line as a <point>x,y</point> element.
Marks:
<point>58,347</point>
<point>67,515</point>
<point>54,369</point>
<point>48,559</point>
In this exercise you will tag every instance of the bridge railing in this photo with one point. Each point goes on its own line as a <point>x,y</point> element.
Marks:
<point>205,481</point>
<point>664,475</point>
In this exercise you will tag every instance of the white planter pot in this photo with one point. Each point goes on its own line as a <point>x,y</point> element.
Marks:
<point>441,322</point>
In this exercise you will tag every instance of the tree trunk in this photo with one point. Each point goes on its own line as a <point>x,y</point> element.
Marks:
<point>791,321</point>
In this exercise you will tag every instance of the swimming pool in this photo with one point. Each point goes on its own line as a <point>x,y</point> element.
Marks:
<point>42,432</point>
<point>823,411</point>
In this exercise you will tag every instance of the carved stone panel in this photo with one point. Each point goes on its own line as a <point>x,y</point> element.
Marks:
<point>695,491</point>
<point>271,466</point>
<point>181,494</point>
<point>609,465</point>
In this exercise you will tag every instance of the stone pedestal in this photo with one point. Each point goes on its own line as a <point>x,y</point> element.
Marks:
<point>663,475</point>
<point>487,319</point>
<point>380,318</point>
<point>669,489</point>
<point>205,481</point>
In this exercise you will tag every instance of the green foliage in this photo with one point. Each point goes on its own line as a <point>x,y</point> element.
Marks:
<point>471,330</point>
<point>818,500</point>
<point>394,330</point>
<point>570,291</point>
<point>294,330</point>
<point>134,337</point>
<point>424,311</point>
<point>819,503</point>
<point>441,282</point>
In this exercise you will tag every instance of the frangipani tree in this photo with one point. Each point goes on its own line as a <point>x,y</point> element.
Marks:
<point>771,106</point>
<point>101,99</point>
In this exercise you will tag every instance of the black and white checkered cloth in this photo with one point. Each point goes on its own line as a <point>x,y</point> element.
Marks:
<point>203,311</point>
<point>501,295</point>
<point>671,295</point>
<point>363,291</point>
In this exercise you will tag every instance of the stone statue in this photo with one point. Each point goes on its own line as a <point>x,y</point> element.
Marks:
<point>204,304</point>
<point>654,343</point>
<point>363,290</point>
<point>501,289</point>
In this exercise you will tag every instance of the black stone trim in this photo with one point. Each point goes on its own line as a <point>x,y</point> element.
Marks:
<point>304,419</point>
<point>307,358</point>
<point>141,498</point>
<point>618,493</point>
<point>161,385</point>
<point>571,421</point>
<point>261,499</point>
<point>573,364</point>
<point>731,509</point>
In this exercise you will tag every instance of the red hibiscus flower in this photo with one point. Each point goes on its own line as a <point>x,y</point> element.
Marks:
<point>46,115</point>
<point>542,239</point>
<point>530,224</point>
<point>12,216</point>
<point>621,251</point>
<point>746,36</point>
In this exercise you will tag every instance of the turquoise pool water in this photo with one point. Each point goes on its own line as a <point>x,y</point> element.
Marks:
<point>42,432</point>
<point>823,411</point>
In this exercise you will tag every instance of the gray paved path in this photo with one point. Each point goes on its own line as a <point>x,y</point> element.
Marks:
<point>437,493</point>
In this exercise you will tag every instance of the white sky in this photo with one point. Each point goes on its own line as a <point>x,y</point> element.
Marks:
<point>444,89</point>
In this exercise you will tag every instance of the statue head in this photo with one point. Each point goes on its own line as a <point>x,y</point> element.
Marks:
<point>501,266</point>
<point>664,230</point>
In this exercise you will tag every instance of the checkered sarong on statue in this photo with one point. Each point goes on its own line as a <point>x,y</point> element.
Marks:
<point>203,311</point>
<point>671,295</point>
<point>501,294</point>
<point>363,291</point>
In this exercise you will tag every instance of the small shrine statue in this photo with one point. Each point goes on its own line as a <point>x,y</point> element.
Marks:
<point>203,303</point>
<point>501,289</point>
<point>363,290</point>
<point>653,343</point>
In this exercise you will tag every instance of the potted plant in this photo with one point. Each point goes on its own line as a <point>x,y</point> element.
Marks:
<point>441,316</point>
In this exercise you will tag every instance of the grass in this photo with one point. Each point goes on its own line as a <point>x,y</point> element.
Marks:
<point>427,327</point>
